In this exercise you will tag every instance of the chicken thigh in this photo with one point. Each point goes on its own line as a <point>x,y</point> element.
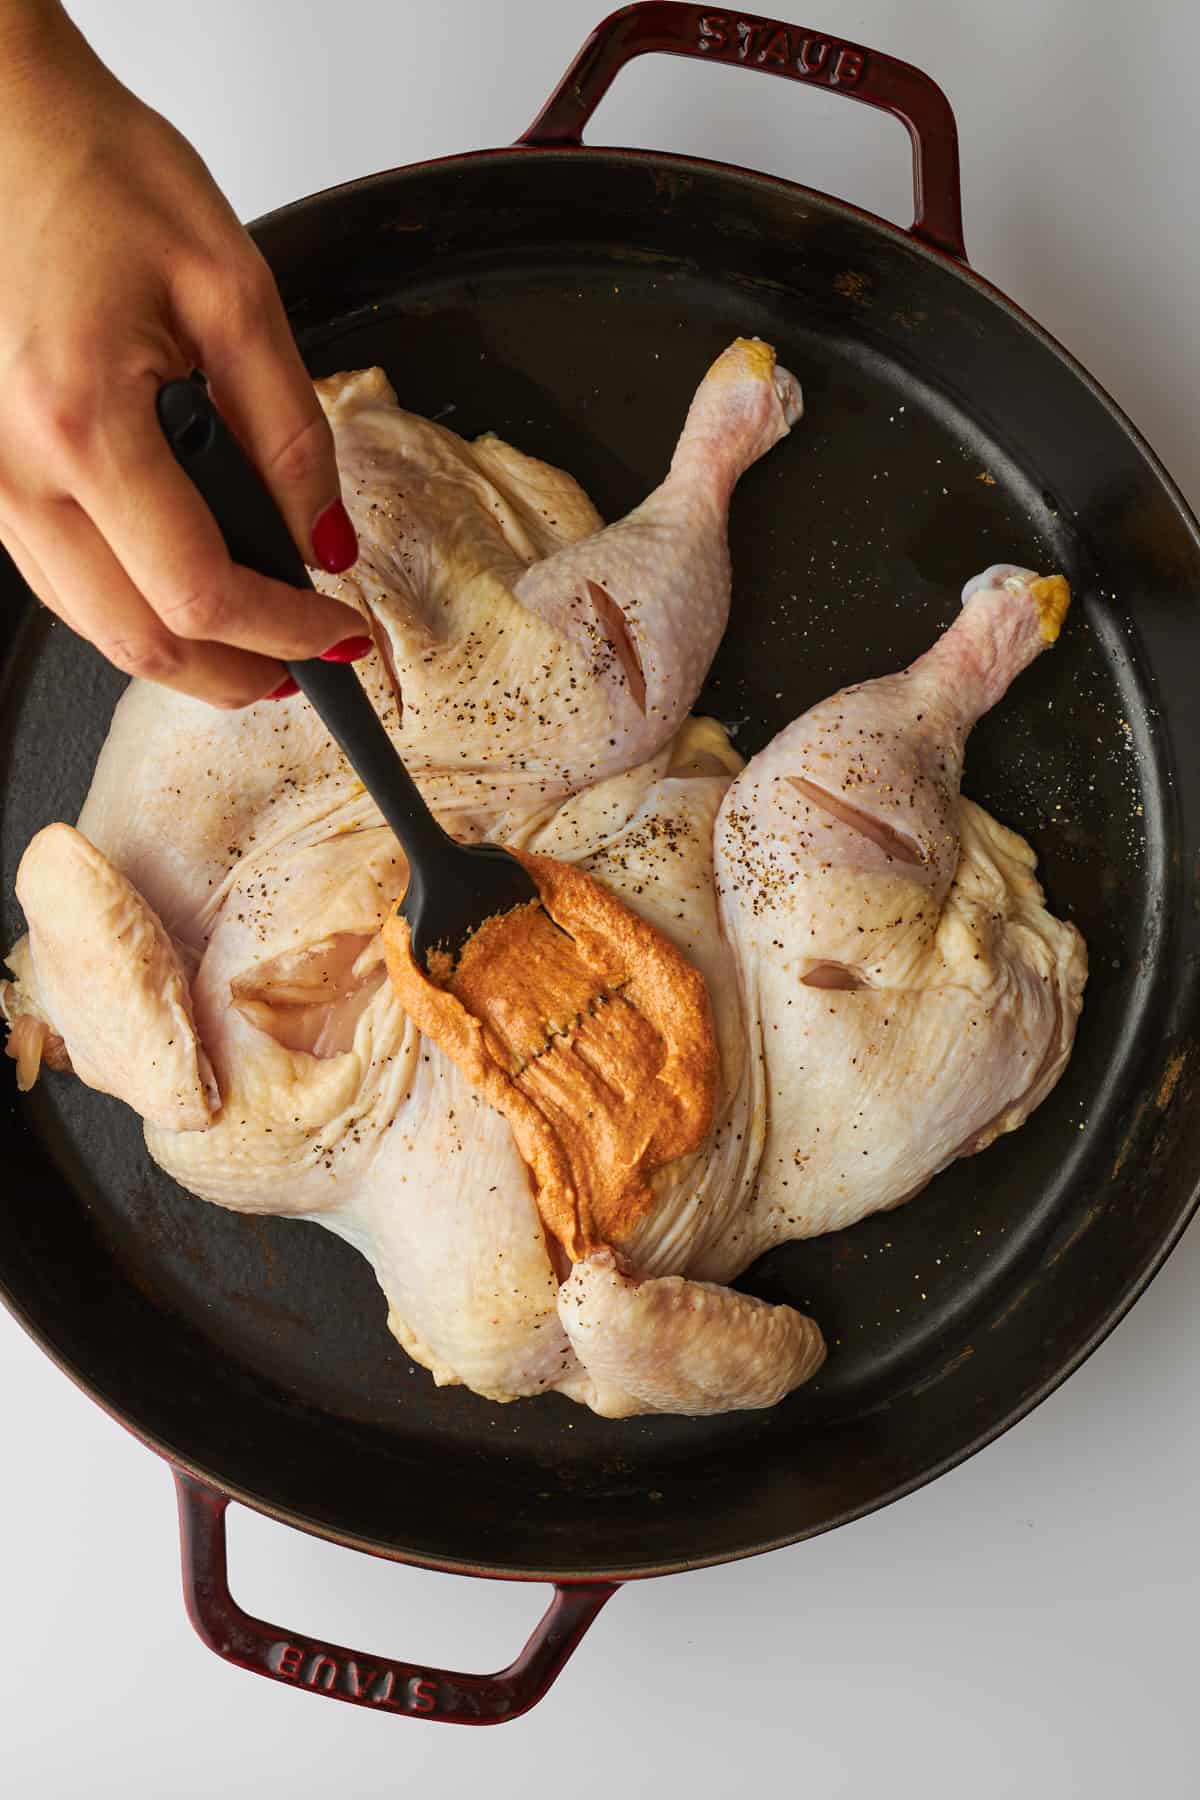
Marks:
<point>535,654</point>
<point>914,995</point>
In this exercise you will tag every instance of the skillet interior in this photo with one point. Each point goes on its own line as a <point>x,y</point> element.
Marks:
<point>571,301</point>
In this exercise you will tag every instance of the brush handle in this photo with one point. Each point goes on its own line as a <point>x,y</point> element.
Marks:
<point>256,536</point>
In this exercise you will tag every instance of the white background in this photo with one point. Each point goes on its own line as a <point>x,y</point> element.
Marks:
<point>1023,1627</point>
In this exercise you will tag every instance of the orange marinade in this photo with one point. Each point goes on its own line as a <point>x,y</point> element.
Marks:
<point>589,1031</point>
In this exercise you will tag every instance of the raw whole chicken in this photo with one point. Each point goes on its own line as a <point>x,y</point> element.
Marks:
<point>889,991</point>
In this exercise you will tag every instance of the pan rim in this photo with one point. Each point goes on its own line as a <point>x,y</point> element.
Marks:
<point>523,155</point>
<point>177,1456</point>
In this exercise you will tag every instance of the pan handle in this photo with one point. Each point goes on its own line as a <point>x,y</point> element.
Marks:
<point>410,1689</point>
<point>745,40</point>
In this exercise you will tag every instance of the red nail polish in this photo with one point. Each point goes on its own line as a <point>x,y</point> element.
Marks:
<point>335,545</point>
<point>287,687</point>
<point>349,650</point>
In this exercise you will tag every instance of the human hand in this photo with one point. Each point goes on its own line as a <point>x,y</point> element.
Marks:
<point>126,267</point>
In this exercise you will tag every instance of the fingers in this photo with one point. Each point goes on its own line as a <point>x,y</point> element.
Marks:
<point>105,526</point>
<point>162,535</point>
<point>264,391</point>
<point>60,552</point>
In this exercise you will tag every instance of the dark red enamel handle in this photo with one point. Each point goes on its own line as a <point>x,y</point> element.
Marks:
<point>410,1689</point>
<point>745,40</point>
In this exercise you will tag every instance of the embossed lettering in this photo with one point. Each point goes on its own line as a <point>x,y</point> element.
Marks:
<point>422,1695</point>
<point>776,48</point>
<point>714,31</point>
<point>848,67</point>
<point>383,1693</point>
<point>322,1672</point>
<point>359,1685</point>
<point>810,57</point>
<point>286,1659</point>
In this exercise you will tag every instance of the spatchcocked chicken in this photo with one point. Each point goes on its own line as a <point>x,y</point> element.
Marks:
<point>888,991</point>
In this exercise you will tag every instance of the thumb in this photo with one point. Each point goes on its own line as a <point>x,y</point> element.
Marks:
<point>264,392</point>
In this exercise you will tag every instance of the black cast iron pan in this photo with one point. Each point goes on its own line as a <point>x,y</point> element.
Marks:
<point>570,298</point>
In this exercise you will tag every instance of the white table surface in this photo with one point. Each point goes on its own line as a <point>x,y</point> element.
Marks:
<point>1022,1627</point>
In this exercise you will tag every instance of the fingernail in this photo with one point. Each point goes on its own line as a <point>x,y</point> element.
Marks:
<point>349,650</point>
<point>335,545</point>
<point>287,687</point>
